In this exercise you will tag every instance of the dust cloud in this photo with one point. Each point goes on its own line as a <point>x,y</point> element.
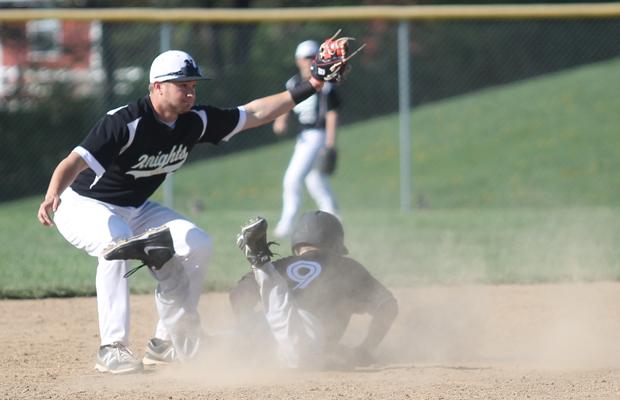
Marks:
<point>547,326</point>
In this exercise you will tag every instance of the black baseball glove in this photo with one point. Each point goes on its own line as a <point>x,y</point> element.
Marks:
<point>328,158</point>
<point>252,241</point>
<point>330,62</point>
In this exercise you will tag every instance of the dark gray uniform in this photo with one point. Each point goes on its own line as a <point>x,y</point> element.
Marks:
<point>329,287</point>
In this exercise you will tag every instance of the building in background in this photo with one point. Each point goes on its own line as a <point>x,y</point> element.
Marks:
<point>37,54</point>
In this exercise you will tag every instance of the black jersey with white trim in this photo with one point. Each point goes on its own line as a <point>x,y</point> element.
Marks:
<point>130,151</point>
<point>311,112</point>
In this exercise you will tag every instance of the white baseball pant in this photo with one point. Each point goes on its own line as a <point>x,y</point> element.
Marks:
<point>91,225</point>
<point>302,167</point>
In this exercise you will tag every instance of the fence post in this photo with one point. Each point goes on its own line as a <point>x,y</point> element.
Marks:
<point>164,45</point>
<point>404,115</point>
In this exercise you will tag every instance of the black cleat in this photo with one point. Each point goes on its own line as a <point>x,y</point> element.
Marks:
<point>154,248</point>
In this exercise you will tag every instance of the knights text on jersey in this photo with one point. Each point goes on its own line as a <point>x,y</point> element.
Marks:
<point>311,112</point>
<point>130,151</point>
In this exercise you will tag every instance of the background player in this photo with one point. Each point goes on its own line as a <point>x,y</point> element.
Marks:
<point>318,117</point>
<point>100,194</point>
<point>309,298</point>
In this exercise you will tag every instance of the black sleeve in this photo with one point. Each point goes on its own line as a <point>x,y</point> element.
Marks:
<point>244,296</point>
<point>292,82</point>
<point>220,122</point>
<point>106,140</point>
<point>369,293</point>
<point>333,99</point>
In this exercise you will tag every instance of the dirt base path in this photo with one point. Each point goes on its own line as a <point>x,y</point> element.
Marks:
<point>454,342</point>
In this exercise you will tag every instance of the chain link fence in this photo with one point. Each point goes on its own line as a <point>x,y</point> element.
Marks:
<point>57,77</point>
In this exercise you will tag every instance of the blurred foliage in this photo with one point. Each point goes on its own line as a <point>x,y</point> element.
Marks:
<point>35,139</point>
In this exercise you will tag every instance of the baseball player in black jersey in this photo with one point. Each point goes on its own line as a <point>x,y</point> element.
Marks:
<point>309,298</point>
<point>99,194</point>
<point>318,117</point>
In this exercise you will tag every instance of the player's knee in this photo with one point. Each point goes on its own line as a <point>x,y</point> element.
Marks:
<point>200,244</point>
<point>189,240</point>
<point>200,248</point>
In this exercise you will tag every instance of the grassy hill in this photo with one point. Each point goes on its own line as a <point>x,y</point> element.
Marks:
<point>544,142</point>
<point>515,184</point>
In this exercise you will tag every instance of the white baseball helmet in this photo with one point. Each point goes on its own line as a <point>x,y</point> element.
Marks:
<point>174,66</point>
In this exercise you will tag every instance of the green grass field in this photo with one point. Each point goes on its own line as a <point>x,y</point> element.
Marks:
<point>513,184</point>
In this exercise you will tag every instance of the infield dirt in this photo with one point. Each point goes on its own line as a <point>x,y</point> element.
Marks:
<point>551,341</point>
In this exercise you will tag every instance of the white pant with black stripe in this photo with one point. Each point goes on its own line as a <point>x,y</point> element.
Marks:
<point>91,225</point>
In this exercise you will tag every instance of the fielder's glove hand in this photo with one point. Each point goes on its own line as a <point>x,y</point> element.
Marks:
<point>330,62</point>
<point>327,161</point>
